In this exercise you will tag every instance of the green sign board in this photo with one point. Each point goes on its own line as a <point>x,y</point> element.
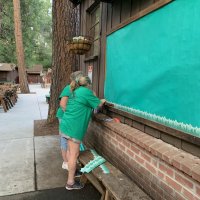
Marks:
<point>153,66</point>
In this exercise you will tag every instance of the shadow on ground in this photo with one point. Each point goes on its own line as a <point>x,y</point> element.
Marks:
<point>87,193</point>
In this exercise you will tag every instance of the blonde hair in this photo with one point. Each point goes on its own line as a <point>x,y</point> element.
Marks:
<point>84,81</point>
<point>81,81</point>
<point>74,79</point>
<point>76,74</point>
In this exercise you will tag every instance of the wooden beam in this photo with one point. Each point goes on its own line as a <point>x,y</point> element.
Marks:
<point>140,14</point>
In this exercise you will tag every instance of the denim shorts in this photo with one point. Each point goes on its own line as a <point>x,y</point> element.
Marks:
<point>70,138</point>
<point>63,143</point>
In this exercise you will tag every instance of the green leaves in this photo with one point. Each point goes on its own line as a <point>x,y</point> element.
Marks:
<point>36,28</point>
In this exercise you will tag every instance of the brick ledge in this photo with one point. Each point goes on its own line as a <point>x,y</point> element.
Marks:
<point>178,158</point>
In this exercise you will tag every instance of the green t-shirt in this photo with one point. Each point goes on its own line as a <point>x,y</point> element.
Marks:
<point>65,93</point>
<point>78,113</point>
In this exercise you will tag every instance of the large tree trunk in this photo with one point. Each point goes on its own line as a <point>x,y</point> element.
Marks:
<point>65,19</point>
<point>19,48</point>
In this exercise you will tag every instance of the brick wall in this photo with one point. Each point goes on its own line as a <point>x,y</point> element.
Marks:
<point>162,170</point>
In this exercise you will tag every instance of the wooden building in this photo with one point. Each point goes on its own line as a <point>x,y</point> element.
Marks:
<point>33,74</point>
<point>162,156</point>
<point>8,72</point>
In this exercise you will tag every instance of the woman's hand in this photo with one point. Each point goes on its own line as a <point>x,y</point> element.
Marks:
<point>103,101</point>
<point>63,103</point>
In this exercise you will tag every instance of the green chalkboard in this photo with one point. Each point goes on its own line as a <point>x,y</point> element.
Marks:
<point>153,66</point>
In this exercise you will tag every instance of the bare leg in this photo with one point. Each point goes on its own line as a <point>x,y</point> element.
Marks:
<point>64,149</point>
<point>67,154</point>
<point>64,155</point>
<point>73,155</point>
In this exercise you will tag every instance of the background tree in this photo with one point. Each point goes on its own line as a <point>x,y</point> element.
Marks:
<point>65,25</point>
<point>19,48</point>
<point>36,19</point>
<point>7,40</point>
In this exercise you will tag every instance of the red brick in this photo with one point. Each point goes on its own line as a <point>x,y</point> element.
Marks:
<point>134,149</point>
<point>166,187</point>
<point>168,196</point>
<point>138,159</point>
<point>198,190</point>
<point>177,160</point>
<point>130,137</point>
<point>119,138</point>
<point>145,137</point>
<point>126,143</point>
<point>122,130</point>
<point>161,175</point>
<point>145,172</point>
<point>151,168</point>
<point>173,184</point>
<point>154,148</point>
<point>188,194</point>
<point>115,142</point>
<point>116,127</point>
<point>179,196</point>
<point>106,136</point>
<point>163,150</point>
<point>166,169</point>
<point>155,180</point>
<point>196,173</point>
<point>126,157</point>
<point>134,134</point>
<point>146,157</point>
<point>130,153</point>
<point>155,162</point>
<point>122,147</point>
<point>185,182</point>
<point>187,165</point>
<point>112,134</point>
<point>133,165</point>
<point>128,130</point>
<point>147,143</point>
<point>140,136</point>
<point>168,156</point>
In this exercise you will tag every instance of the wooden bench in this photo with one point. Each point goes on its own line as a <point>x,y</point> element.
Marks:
<point>112,186</point>
<point>8,96</point>
<point>3,103</point>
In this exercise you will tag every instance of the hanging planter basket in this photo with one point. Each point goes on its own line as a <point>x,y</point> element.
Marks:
<point>75,2</point>
<point>79,45</point>
<point>107,1</point>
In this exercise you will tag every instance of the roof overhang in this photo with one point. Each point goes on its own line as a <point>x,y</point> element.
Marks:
<point>77,2</point>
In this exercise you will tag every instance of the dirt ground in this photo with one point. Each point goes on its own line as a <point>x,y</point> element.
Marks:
<point>42,128</point>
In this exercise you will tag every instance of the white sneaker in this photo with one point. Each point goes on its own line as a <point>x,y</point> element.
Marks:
<point>65,165</point>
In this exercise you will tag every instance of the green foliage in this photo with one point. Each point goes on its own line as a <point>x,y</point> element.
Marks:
<point>36,29</point>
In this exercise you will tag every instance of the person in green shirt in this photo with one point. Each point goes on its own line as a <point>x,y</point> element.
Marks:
<point>75,120</point>
<point>63,103</point>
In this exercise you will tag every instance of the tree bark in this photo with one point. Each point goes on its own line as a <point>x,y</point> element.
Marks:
<point>19,48</point>
<point>65,25</point>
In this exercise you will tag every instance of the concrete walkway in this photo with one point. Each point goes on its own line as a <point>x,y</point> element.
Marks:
<point>28,163</point>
